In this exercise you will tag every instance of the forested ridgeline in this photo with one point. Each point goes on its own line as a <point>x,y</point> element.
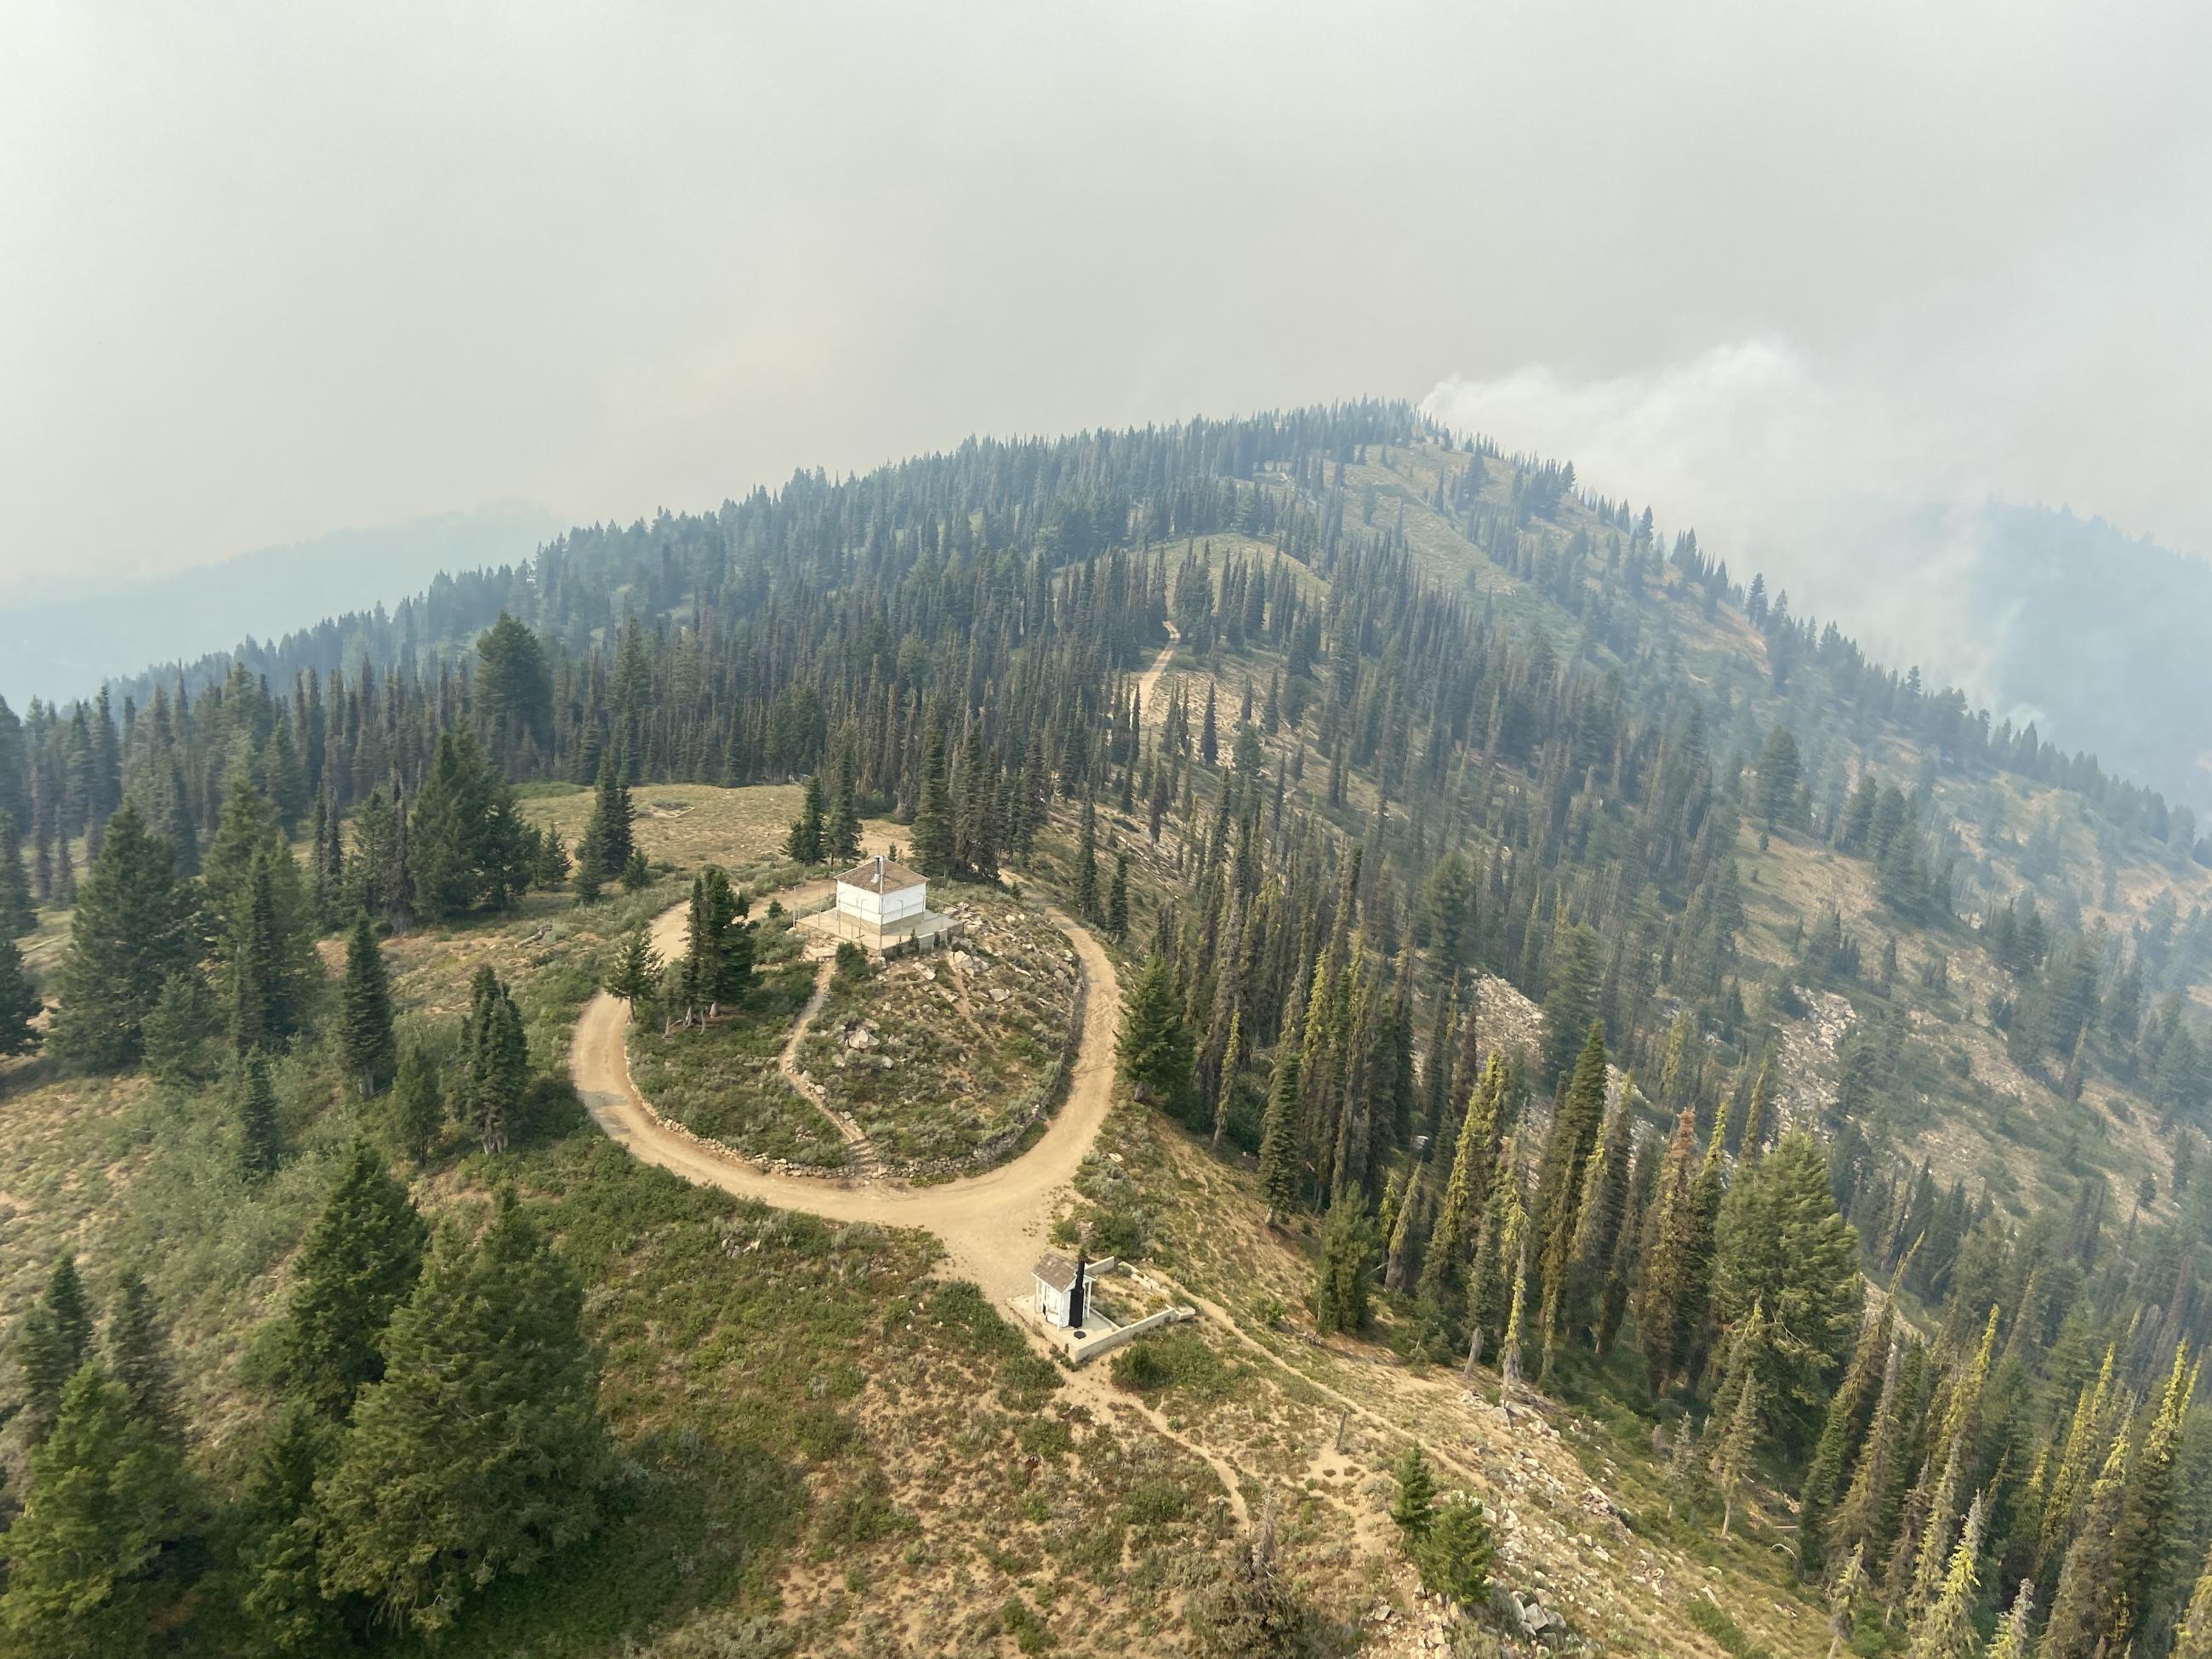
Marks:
<point>1439,717</point>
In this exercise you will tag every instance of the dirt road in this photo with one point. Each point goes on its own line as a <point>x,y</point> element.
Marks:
<point>992,1224</point>
<point>1148,683</point>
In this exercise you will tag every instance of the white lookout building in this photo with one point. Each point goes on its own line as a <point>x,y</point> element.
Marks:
<point>880,904</point>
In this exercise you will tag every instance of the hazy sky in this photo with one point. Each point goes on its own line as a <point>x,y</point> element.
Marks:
<point>269,271</point>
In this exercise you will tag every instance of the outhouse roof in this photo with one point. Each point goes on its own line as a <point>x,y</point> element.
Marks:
<point>1056,1270</point>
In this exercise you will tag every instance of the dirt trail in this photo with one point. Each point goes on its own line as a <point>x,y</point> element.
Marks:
<point>1149,681</point>
<point>1224,1321</point>
<point>867,1164</point>
<point>992,1224</point>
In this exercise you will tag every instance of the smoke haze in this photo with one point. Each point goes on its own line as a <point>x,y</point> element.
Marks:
<point>1818,281</point>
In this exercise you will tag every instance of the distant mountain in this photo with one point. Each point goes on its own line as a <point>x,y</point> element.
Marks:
<point>2098,636</point>
<point>65,648</point>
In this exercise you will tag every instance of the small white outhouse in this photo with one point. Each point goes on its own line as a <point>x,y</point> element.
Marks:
<point>1062,1288</point>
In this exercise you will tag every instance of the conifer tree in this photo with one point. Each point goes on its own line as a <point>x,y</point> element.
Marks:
<point>804,843</point>
<point>1279,1136</point>
<point>609,834</point>
<point>259,1150</point>
<point>463,837</point>
<point>2194,1638</point>
<point>52,1342</point>
<point>1516,1321</point>
<point>1859,1523</point>
<point>1780,1240</point>
<point>179,1034</point>
<point>262,1013</point>
<point>2149,1499</point>
<point>1086,862</point>
<point>1843,1593</point>
<point>588,878</point>
<point>1598,1218</point>
<point>2016,1637</point>
<point>634,975</point>
<point>17,918</point>
<point>1850,1416</point>
<point>1453,1556</point>
<point>132,929</point>
<point>1923,1550</point>
<point>1347,1252</point>
<point>718,962</point>
<point>1741,1400</point>
<point>1467,1187</point>
<point>359,1263</point>
<point>365,1033</point>
<point>247,830</point>
<point>1570,1001</point>
<point>138,1359</point>
<point>1624,1272</point>
<point>550,865</point>
<point>1757,1129</point>
<point>496,1063</point>
<point>1225,1099</point>
<point>934,831</point>
<point>1574,1139</point>
<point>1410,1220</point>
<point>482,1450</point>
<point>1155,1045</point>
<point>2074,1472</point>
<point>416,1115</point>
<point>976,840</point>
<point>65,1299</point>
<point>1671,1300</point>
<point>20,1005</point>
<point>1946,1629</point>
<point>107,1497</point>
<point>284,1598</point>
<point>841,835</point>
<point>1117,900</point>
<point>1495,1276</point>
<point>1779,769</point>
<point>2089,1607</point>
<point>1415,1507</point>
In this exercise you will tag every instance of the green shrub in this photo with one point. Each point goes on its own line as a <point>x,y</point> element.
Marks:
<point>1155,1501</point>
<point>1118,1233</point>
<point>1712,1618</point>
<point>1140,1368</point>
<point>1028,1631</point>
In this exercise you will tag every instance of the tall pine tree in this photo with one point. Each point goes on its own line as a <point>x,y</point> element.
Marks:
<point>132,929</point>
<point>359,1262</point>
<point>365,1033</point>
<point>482,1450</point>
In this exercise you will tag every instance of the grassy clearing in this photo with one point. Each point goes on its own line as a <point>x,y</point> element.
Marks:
<point>722,1081</point>
<point>688,825</point>
<point>936,1054</point>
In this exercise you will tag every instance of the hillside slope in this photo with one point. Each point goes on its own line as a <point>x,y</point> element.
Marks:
<point>1563,986</point>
